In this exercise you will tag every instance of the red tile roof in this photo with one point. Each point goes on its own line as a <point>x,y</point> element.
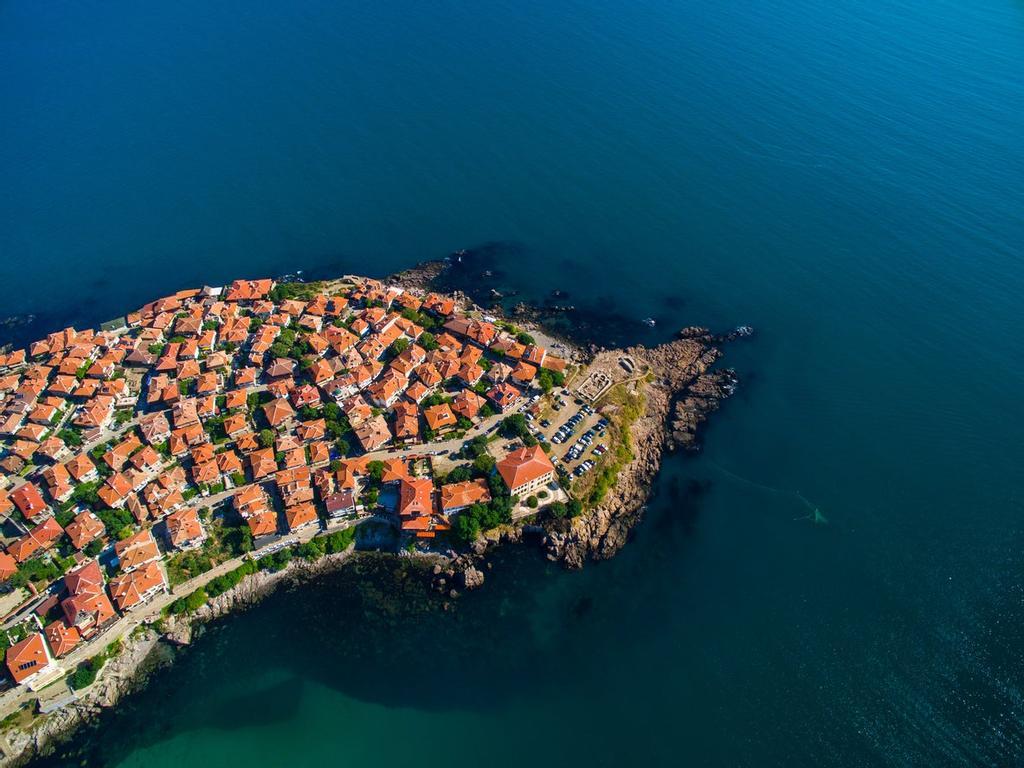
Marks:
<point>26,658</point>
<point>524,465</point>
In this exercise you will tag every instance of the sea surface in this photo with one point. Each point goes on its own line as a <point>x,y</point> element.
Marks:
<point>846,176</point>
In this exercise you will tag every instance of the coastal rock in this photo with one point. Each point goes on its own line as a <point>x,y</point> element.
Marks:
<point>124,673</point>
<point>471,578</point>
<point>692,409</point>
<point>680,376</point>
<point>420,277</point>
<point>695,332</point>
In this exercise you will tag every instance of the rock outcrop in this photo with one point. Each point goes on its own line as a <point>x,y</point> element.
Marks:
<point>681,391</point>
<point>124,673</point>
<point>691,409</point>
<point>471,578</point>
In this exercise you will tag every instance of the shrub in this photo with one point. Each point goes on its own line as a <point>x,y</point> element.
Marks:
<point>229,580</point>
<point>276,561</point>
<point>460,474</point>
<point>85,675</point>
<point>483,464</point>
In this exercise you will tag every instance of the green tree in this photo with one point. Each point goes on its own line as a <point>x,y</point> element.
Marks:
<point>399,346</point>
<point>267,438</point>
<point>483,464</point>
<point>460,474</point>
<point>375,469</point>
<point>466,528</point>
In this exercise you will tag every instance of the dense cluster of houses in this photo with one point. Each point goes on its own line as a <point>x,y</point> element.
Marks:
<point>239,392</point>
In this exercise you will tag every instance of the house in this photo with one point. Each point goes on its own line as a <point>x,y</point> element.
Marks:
<point>114,491</point>
<point>262,463</point>
<point>281,368</point>
<point>253,506</point>
<point>52,449</point>
<point>319,453</point>
<point>373,433</point>
<point>340,504</point>
<point>278,412</point>
<point>470,374</point>
<point>206,473</point>
<point>440,418</point>
<point>300,516</point>
<point>356,410</point>
<point>184,413</point>
<point>311,430</point>
<point>155,428</point>
<point>29,502</point>
<point>182,438</point>
<point>526,470</point>
<point>505,397</point>
<point>138,587</point>
<point>467,404</point>
<point>95,413</point>
<point>523,373</point>
<point>456,497</point>
<point>136,551</point>
<point>387,389</point>
<point>235,425</point>
<point>499,372</point>
<point>407,422</point>
<point>235,399</point>
<point>184,529</point>
<point>146,460</point>
<point>87,606</point>
<point>415,497</point>
<point>294,485</point>
<point>118,456</point>
<point>58,482</point>
<point>229,463</point>
<point>30,663</point>
<point>305,395</point>
<point>38,539</point>
<point>478,331</point>
<point>62,637</point>
<point>82,469</point>
<point>84,529</point>
<point>8,566</point>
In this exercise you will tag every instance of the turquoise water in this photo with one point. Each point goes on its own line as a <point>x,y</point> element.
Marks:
<point>846,176</point>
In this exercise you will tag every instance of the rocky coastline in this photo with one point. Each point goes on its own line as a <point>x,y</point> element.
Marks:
<point>150,647</point>
<point>680,392</point>
<point>678,399</point>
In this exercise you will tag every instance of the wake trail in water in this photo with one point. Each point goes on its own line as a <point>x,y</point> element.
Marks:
<point>814,513</point>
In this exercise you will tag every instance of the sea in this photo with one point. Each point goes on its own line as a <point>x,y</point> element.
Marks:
<point>836,579</point>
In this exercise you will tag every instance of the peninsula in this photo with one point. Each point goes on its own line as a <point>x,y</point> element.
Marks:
<point>183,460</point>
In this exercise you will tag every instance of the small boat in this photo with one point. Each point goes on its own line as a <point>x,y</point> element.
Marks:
<point>649,322</point>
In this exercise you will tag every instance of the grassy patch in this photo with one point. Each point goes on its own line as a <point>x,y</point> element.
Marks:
<point>626,407</point>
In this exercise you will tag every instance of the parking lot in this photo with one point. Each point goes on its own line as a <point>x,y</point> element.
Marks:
<point>577,434</point>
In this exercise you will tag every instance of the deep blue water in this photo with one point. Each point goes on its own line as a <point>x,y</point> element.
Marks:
<point>848,177</point>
